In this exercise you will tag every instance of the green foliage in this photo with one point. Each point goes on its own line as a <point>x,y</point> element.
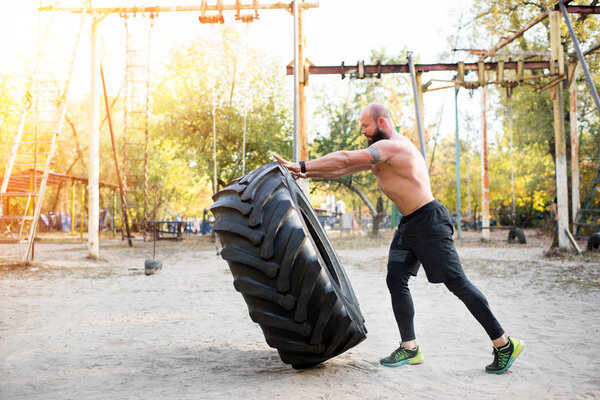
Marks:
<point>226,73</point>
<point>532,110</point>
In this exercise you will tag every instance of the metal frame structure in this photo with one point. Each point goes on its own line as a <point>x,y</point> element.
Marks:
<point>554,77</point>
<point>296,8</point>
<point>40,124</point>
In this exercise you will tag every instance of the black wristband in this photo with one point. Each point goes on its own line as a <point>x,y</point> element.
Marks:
<point>302,167</point>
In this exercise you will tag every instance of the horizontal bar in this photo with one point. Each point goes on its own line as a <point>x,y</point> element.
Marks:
<point>582,9</point>
<point>13,241</point>
<point>403,68</point>
<point>15,218</point>
<point>19,194</point>
<point>157,9</point>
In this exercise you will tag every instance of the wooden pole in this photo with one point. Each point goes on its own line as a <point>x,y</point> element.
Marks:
<point>296,146</point>
<point>94,146</point>
<point>458,211</point>
<point>300,82</point>
<point>303,82</point>
<point>418,98</point>
<point>82,210</point>
<point>557,66</point>
<point>72,207</point>
<point>485,188</point>
<point>116,161</point>
<point>114,209</point>
<point>512,167</point>
<point>419,81</point>
<point>574,144</point>
<point>214,120</point>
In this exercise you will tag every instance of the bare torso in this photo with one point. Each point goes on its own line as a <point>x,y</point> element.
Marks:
<point>403,177</point>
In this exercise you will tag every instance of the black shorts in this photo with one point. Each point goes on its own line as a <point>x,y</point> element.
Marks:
<point>425,237</point>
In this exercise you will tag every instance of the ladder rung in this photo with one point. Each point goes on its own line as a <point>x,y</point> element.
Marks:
<point>19,194</point>
<point>135,143</point>
<point>16,218</point>
<point>31,153</point>
<point>136,159</point>
<point>13,241</point>
<point>34,142</point>
<point>135,174</point>
<point>29,165</point>
<point>135,191</point>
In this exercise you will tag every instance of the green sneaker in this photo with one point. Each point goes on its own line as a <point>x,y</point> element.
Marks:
<point>505,356</point>
<point>403,356</point>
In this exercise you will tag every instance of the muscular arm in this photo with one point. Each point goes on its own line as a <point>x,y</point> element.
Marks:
<point>339,163</point>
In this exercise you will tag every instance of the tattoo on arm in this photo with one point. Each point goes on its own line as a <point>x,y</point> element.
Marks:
<point>375,153</point>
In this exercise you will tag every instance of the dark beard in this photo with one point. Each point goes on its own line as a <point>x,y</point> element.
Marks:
<point>377,136</point>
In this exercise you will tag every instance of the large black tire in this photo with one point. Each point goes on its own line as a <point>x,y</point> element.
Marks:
<point>516,234</point>
<point>594,242</point>
<point>285,267</point>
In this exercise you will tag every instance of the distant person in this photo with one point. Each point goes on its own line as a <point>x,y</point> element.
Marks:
<point>424,235</point>
<point>340,207</point>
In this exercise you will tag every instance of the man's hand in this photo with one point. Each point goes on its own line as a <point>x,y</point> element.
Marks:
<point>294,168</point>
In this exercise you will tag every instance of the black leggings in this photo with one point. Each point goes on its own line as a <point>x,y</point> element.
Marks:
<point>462,288</point>
<point>425,237</point>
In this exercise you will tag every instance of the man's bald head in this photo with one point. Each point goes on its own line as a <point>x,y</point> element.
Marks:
<point>376,123</point>
<point>377,111</point>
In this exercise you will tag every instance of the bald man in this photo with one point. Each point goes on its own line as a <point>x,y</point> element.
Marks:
<point>423,237</point>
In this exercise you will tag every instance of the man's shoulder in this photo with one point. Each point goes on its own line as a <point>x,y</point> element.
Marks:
<point>391,144</point>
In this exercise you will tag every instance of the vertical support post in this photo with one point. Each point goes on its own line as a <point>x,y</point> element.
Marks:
<point>125,222</point>
<point>485,187</point>
<point>114,209</point>
<point>214,118</point>
<point>418,95</point>
<point>468,186</point>
<point>512,167</point>
<point>72,207</point>
<point>296,148</point>
<point>557,66</point>
<point>94,146</point>
<point>244,144</point>
<point>300,83</point>
<point>458,207</point>
<point>82,210</point>
<point>574,145</point>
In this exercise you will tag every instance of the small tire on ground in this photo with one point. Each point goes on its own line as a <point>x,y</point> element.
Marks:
<point>593,243</point>
<point>152,266</point>
<point>516,234</point>
<point>285,267</point>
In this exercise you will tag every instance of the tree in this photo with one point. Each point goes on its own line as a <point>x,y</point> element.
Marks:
<point>533,116</point>
<point>225,72</point>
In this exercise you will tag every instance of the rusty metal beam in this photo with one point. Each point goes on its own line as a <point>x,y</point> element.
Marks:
<point>403,68</point>
<point>199,8</point>
<point>517,34</point>
<point>582,9</point>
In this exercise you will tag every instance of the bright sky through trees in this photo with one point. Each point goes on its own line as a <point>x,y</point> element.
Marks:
<point>336,31</point>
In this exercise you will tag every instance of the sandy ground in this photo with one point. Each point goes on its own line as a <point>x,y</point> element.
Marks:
<point>73,328</point>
